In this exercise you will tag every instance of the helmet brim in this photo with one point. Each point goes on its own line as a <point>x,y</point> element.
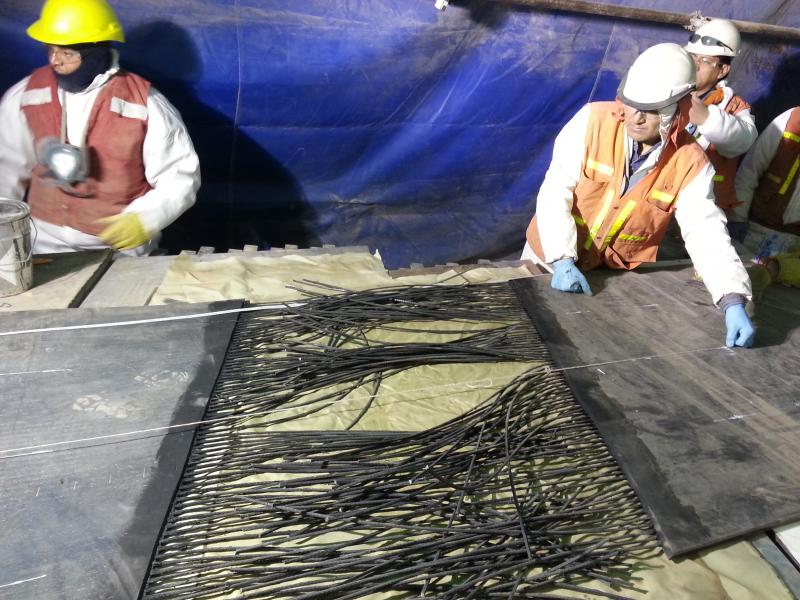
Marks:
<point>651,105</point>
<point>710,50</point>
<point>42,33</point>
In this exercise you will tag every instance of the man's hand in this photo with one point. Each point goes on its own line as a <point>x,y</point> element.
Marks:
<point>740,329</point>
<point>124,231</point>
<point>568,278</point>
<point>698,113</point>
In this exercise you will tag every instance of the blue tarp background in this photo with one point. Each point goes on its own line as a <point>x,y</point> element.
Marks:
<point>421,133</point>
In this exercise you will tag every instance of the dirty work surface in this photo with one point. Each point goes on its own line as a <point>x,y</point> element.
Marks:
<point>707,436</point>
<point>80,520</point>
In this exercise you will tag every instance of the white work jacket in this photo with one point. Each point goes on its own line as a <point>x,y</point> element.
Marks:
<point>731,134</point>
<point>702,223</point>
<point>171,164</point>
<point>754,165</point>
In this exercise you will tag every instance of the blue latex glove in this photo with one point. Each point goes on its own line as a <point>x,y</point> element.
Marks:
<point>737,230</point>
<point>740,329</point>
<point>568,278</point>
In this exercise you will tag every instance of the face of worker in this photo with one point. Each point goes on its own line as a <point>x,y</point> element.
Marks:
<point>642,125</point>
<point>63,60</point>
<point>709,71</point>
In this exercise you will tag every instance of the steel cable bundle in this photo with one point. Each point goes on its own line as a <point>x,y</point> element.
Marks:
<point>516,498</point>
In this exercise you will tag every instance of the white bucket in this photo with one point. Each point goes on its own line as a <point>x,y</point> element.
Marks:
<point>16,273</point>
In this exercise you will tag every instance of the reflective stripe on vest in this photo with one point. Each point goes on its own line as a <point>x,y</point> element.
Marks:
<point>662,196</point>
<point>790,176</point>
<point>600,167</point>
<point>778,184</point>
<point>791,136</point>
<point>623,216</point>
<point>626,237</point>
<point>608,198</point>
<point>719,178</point>
<point>130,110</point>
<point>36,96</point>
<point>793,171</point>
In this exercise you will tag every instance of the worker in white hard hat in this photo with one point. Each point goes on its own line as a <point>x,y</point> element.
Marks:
<point>620,171</point>
<point>720,119</point>
<point>103,159</point>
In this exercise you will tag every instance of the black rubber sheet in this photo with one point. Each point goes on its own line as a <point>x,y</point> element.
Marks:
<point>709,437</point>
<point>80,520</point>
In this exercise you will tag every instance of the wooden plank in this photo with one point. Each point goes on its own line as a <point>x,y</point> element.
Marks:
<point>788,538</point>
<point>419,269</point>
<point>60,280</point>
<point>130,281</point>
<point>648,15</point>
<point>780,559</point>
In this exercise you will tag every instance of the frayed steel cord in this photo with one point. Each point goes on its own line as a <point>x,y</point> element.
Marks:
<point>517,498</point>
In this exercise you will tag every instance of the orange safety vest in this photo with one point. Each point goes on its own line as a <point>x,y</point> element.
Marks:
<point>114,138</point>
<point>622,232</point>
<point>725,167</point>
<point>776,186</point>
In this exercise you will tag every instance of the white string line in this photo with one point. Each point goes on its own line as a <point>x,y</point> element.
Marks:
<point>635,358</point>
<point>181,317</point>
<point>154,320</point>
<point>157,319</point>
<point>22,581</point>
<point>37,372</point>
<point>53,446</point>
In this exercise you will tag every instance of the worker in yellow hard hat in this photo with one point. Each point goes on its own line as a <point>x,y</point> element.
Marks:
<point>103,157</point>
<point>620,172</point>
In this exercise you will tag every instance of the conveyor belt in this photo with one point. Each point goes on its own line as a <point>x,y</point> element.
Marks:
<point>88,466</point>
<point>707,436</point>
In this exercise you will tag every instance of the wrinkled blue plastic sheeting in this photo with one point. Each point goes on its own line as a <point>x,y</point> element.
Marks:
<point>424,134</point>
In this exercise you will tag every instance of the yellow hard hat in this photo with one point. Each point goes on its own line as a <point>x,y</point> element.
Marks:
<point>68,22</point>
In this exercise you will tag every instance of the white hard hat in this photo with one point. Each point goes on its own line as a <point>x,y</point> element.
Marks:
<point>717,37</point>
<point>659,77</point>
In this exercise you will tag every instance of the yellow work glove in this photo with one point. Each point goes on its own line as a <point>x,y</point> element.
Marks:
<point>124,231</point>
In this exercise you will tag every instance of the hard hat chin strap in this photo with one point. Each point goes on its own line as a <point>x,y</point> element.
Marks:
<point>667,116</point>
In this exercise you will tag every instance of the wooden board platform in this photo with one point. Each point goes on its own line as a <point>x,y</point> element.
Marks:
<point>60,280</point>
